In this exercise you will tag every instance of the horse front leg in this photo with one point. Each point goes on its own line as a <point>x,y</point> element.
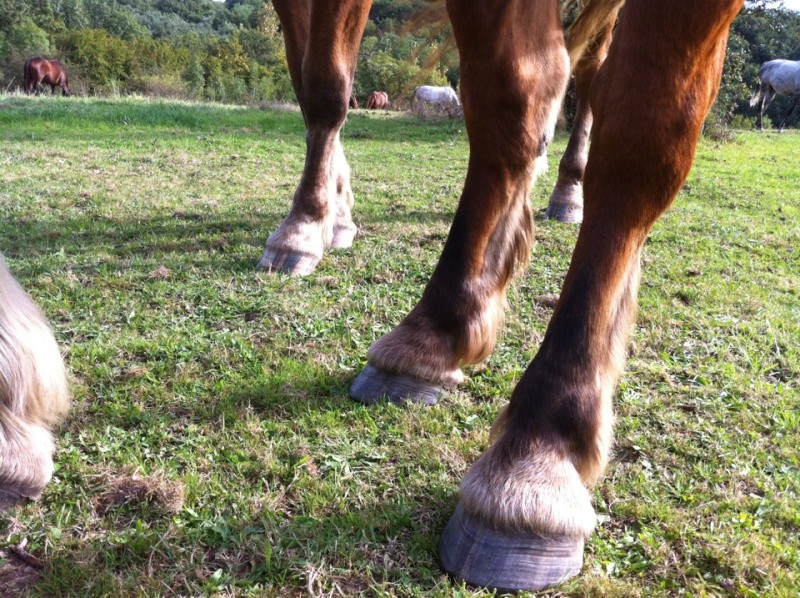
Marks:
<point>322,39</point>
<point>566,200</point>
<point>525,506</point>
<point>511,88</point>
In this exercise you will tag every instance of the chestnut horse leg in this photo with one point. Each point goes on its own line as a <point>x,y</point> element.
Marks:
<point>525,506</point>
<point>566,201</point>
<point>511,96</point>
<point>322,40</point>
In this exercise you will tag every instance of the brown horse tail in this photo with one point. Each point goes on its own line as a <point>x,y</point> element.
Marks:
<point>593,18</point>
<point>26,73</point>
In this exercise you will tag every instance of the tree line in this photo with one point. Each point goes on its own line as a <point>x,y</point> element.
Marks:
<point>232,51</point>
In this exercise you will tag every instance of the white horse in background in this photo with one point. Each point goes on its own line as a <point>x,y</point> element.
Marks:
<point>777,76</point>
<point>439,98</point>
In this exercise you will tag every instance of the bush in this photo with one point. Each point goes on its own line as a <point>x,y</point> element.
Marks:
<point>27,38</point>
<point>103,61</point>
<point>741,121</point>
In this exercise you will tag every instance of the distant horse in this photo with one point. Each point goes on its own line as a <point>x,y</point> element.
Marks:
<point>50,72</point>
<point>352,102</point>
<point>33,394</point>
<point>440,98</point>
<point>378,100</point>
<point>777,76</point>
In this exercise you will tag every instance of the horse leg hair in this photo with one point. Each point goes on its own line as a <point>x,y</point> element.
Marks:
<point>551,443</point>
<point>322,40</point>
<point>33,394</point>
<point>510,101</point>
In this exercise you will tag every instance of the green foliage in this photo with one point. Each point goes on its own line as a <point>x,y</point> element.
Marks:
<point>114,18</point>
<point>394,64</point>
<point>27,38</point>
<point>239,48</point>
<point>194,76</point>
<point>74,14</point>
<point>733,87</point>
<point>98,57</point>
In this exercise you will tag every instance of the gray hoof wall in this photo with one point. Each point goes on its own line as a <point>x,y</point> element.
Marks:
<point>376,386</point>
<point>564,213</point>
<point>287,262</point>
<point>481,556</point>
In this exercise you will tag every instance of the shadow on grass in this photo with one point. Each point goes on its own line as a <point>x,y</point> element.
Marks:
<point>293,394</point>
<point>210,242</point>
<point>190,240</point>
<point>67,119</point>
<point>354,548</point>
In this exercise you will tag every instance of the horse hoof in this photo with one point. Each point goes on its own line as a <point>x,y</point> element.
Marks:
<point>376,386</point>
<point>286,261</point>
<point>9,498</point>
<point>567,213</point>
<point>343,237</point>
<point>482,556</point>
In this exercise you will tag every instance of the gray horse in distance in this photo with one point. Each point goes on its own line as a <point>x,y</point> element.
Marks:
<point>777,76</point>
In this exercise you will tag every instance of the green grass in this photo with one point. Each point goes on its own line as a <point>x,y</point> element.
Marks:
<point>218,395</point>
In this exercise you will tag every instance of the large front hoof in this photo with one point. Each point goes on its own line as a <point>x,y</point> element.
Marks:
<point>568,213</point>
<point>482,556</point>
<point>376,386</point>
<point>287,261</point>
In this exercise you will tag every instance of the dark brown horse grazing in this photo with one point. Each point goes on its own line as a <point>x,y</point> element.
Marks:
<point>525,505</point>
<point>378,100</point>
<point>39,70</point>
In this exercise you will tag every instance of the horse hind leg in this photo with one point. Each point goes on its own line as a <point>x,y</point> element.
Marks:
<point>33,394</point>
<point>766,99</point>
<point>322,76</point>
<point>789,113</point>
<point>566,200</point>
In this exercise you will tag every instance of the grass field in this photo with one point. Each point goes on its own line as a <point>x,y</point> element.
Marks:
<point>212,448</point>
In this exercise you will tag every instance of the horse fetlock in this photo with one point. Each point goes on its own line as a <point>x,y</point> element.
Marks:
<point>418,351</point>
<point>344,231</point>
<point>296,247</point>
<point>539,492</point>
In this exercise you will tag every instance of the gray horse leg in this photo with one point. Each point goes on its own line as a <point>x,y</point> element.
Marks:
<point>768,96</point>
<point>788,114</point>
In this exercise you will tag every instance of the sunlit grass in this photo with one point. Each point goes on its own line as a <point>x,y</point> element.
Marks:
<point>136,225</point>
